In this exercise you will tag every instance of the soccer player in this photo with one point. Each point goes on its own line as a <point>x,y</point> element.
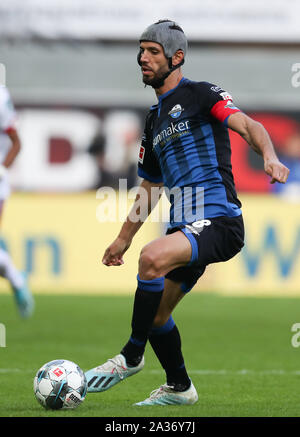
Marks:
<point>9,149</point>
<point>186,149</point>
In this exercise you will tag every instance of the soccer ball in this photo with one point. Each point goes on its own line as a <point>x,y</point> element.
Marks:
<point>60,384</point>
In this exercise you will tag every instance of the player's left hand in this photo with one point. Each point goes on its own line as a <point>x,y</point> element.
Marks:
<point>278,171</point>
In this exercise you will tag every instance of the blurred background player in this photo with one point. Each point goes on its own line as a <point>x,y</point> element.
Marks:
<point>9,149</point>
<point>115,149</point>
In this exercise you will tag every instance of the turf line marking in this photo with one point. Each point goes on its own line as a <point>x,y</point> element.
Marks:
<point>237,372</point>
<point>14,371</point>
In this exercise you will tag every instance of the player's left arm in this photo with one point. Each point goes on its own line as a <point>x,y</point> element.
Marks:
<point>258,138</point>
<point>14,149</point>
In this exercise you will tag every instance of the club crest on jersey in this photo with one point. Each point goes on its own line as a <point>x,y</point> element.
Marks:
<point>176,111</point>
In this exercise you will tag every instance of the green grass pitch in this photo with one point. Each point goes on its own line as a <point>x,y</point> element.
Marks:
<point>237,349</point>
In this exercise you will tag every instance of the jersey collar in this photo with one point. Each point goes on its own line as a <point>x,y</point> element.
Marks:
<point>163,96</point>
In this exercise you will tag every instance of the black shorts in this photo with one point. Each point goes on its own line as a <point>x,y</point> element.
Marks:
<point>213,240</point>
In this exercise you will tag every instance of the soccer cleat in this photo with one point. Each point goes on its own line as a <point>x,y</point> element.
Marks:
<point>115,369</point>
<point>24,299</point>
<point>166,395</point>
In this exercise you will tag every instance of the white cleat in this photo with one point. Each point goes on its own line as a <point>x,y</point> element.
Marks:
<point>166,395</point>
<point>115,369</point>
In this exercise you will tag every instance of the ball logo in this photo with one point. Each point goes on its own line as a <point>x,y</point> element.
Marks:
<point>73,398</point>
<point>57,372</point>
<point>176,111</point>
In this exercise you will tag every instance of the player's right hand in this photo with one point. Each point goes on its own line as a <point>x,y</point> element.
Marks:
<point>113,255</point>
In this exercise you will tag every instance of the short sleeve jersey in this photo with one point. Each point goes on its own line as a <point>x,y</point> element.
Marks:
<point>186,146</point>
<point>7,121</point>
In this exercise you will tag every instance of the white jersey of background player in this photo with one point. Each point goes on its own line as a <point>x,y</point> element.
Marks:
<point>9,148</point>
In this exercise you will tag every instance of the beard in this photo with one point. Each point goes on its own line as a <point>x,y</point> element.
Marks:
<point>158,80</point>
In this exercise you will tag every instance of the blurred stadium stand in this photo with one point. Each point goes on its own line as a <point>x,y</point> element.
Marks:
<point>82,55</point>
<point>93,74</point>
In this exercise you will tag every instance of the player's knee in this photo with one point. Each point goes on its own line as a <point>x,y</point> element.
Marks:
<point>149,265</point>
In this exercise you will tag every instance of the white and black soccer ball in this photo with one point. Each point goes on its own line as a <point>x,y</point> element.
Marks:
<point>60,384</point>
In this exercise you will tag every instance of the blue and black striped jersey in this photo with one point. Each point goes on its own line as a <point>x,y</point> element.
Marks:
<point>186,146</point>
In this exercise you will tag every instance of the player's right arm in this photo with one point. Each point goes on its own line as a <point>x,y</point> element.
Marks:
<point>146,199</point>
